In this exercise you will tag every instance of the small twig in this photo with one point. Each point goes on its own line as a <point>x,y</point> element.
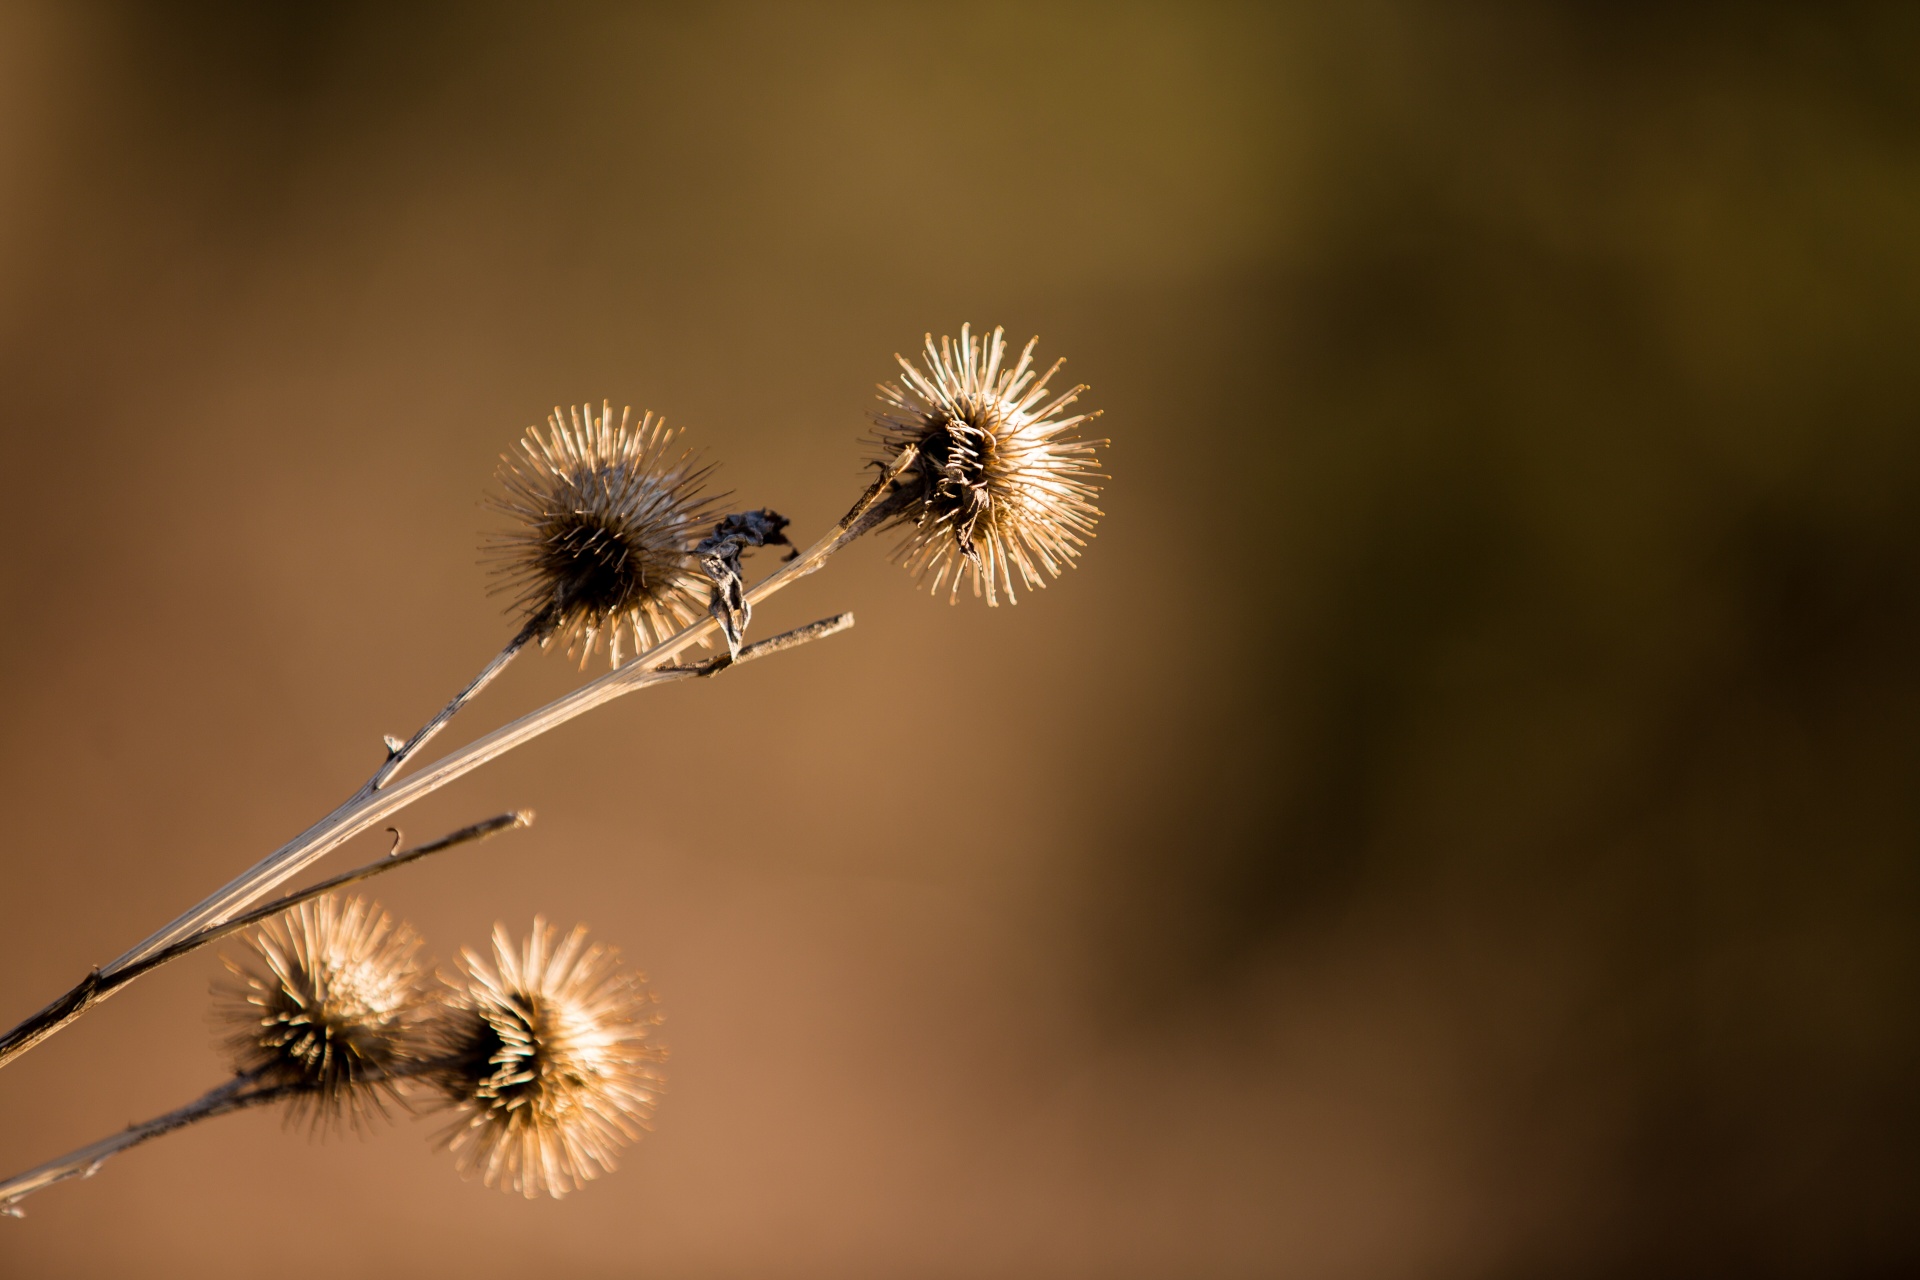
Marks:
<point>237,1094</point>
<point>213,933</point>
<point>96,986</point>
<point>397,757</point>
<point>765,648</point>
<point>231,1096</point>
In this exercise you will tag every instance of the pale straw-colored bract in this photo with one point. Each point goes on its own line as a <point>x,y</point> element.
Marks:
<point>545,1056</point>
<point>999,486</point>
<point>329,1000</point>
<point>605,514</point>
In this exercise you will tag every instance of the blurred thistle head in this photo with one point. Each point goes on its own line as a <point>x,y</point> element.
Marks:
<point>998,484</point>
<point>328,1001</point>
<point>545,1055</point>
<point>606,516</point>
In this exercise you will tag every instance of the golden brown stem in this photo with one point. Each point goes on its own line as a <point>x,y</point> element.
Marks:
<point>96,986</point>
<point>381,797</point>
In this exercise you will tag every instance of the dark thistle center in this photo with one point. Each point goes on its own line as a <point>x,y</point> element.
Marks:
<point>957,476</point>
<point>302,1041</point>
<point>505,1055</point>
<point>322,1039</point>
<point>591,565</point>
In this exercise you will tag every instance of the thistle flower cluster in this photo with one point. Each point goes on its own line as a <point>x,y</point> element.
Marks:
<point>609,522</point>
<point>544,1054</point>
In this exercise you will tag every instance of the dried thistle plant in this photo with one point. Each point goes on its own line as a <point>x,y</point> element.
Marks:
<point>998,483</point>
<point>329,999</point>
<point>606,518</point>
<point>546,1050</point>
<point>545,1056</point>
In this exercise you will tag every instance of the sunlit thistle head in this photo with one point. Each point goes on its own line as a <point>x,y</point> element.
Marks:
<point>606,516</point>
<point>998,485</point>
<point>329,998</point>
<point>545,1055</point>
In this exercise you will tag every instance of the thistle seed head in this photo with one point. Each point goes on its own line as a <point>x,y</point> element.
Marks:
<point>998,485</point>
<point>328,1000</point>
<point>545,1057</point>
<point>606,516</point>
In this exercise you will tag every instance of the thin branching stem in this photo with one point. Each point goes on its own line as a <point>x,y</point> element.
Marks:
<point>397,757</point>
<point>101,983</point>
<point>213,933</point>
<point>243,1091</point>
<point>381,796</point>
<point>223,904</point>
<point>370,806</point>
<point>237,1094</point>
<point>95,987</point>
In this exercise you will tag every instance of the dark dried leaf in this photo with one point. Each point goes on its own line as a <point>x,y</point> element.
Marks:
<point>719,557</point>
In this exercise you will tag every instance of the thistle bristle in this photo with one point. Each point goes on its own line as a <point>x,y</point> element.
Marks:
<point>544,1055</point>
<point>606,515</point>
<point>997,485</point>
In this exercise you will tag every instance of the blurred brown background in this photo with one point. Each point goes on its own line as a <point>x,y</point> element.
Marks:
<point>1458,822</point>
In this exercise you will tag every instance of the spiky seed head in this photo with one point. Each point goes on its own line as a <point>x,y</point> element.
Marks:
<point>329,999</point>
<point>545,1057</point>
<point>999,484</point>
<point>605,517</point>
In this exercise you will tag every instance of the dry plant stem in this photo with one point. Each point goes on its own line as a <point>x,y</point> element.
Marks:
<point>250,886</point>
<point>377,800</point>
<point>235,1095</point>
<point>373,803</point>
<point>466,835</point>
<point>398,757</point>
<point>101,983</point>
<point>95,987</point>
